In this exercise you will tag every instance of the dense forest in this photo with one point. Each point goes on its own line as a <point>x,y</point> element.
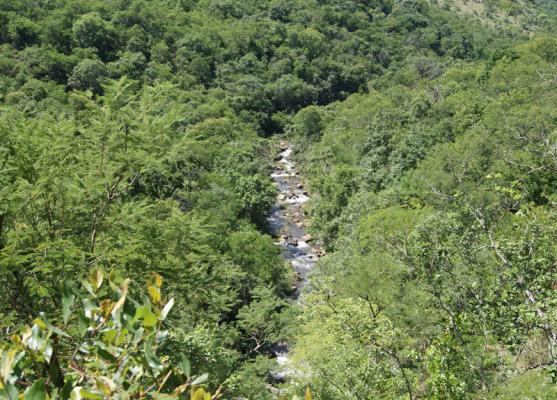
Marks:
<point>136,146</point>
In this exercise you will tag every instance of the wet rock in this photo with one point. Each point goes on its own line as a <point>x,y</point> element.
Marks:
<point>291,290</point>
<point>278,157</point>
<point>319,252</point>
<point>292,241</point>
<point>300,185</point>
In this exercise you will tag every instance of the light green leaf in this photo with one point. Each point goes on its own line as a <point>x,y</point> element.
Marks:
<point>96,278</point>
<point>36,391</point>
<point>145,314</point>
<point>200,379</point>
<point>185,364</point>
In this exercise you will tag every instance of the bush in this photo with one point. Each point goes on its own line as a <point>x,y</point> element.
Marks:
<point>104,347</point>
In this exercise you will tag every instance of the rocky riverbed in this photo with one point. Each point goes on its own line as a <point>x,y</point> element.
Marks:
<point>287,224</point>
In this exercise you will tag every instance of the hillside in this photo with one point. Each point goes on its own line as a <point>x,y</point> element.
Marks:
<point>137,144</point>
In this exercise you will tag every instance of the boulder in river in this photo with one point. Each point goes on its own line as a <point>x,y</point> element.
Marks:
<point>300,185</point>
<point>319,252</point>
<point>307,238</point>
<point>292,241</point>
<point>283,145</point>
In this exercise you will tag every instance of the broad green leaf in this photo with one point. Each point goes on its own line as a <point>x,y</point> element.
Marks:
<point>96,278</point>
<point>115,277</point>
<point>200,379</point>
<point>151,358</point>
<point>185,365</point>
<point>9,392</point>
<point>87,285</point>
<point>145,314</point>
<point>109,336</point>
<point>57,330</point>
<point>106,385</point>
<point>37,391</point>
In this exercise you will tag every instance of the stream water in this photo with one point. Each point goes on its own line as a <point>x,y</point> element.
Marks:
<point>286,221</point>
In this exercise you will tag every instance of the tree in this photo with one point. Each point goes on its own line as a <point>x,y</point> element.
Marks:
<point>23,32</point>
<point>89,75</point>
<point>309,123</point>
<point>90,30</point>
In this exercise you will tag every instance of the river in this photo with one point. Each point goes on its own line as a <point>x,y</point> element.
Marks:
<point>287,225</point>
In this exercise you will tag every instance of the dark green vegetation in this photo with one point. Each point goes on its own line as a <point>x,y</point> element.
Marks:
<point>134,138</point>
